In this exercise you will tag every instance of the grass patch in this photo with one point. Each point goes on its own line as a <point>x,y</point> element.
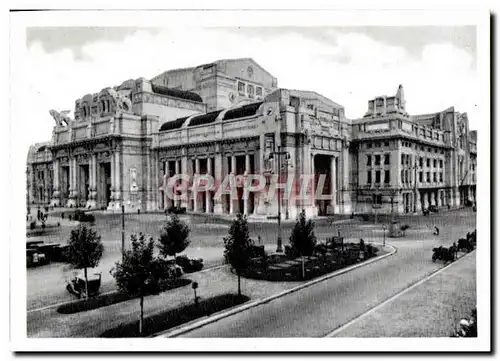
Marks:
<point>110,299</point>
<point>172,318</point>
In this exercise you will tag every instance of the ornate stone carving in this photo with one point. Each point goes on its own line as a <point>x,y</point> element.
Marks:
<point>62,119</point>
<point>122,102</point>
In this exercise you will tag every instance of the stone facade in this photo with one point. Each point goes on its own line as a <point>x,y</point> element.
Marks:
<point>229,120</point>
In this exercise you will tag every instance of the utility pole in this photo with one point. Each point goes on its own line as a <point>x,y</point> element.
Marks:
<point>123,231</point>
<point>279,248</point>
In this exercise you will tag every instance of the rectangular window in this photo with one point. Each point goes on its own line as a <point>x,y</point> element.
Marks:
<point>386,144</point>
<point>428,162</point>
<point>408,160</point>
<point>241,87</point>
<point>421,162</point>
<point>369,160</point>
<point>434,163</point>
<point>428,180</point>
<point>377,144</point>
<point>377,159</point>
<point>402,176</point>
<point>258,91</point>
<point>429,150</point>
<point>435,177</point>
<point>440,163</point>
<point>368,145</point>
<point>377,176</point>
<point>402,159</point>
<point>421,177</point>
<point>387,176</point>
<point>387,159</point>
<point>369,177</point>
<point>441,177</point>
<point>406,176</point>
<point>250,90</point>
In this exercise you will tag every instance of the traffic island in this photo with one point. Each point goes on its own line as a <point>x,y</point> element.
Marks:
<point>164,321</point>
<point>290,268</point>
<point>111,298</point>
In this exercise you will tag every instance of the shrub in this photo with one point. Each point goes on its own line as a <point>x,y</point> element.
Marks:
<point>177,210</point>
<point>320,249</point>
<point>371,250</point>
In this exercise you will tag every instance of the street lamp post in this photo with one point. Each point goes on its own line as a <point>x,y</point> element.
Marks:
<point>123,231</point>
<point>384,227</point>
<point>278,154</point>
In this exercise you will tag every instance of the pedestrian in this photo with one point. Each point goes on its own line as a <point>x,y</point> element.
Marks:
<point>449,206</point>
<point>437,230</point>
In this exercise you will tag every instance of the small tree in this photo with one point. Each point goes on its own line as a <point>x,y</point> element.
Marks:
<point>237,247</point>
<point>302,238</point>
<point>85,250</point>
<point>174,237</point>
<point>137,274</point>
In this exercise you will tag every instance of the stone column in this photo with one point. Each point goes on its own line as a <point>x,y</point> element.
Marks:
<point>177,171</point>
<point>426,200</point>
<point>232,202</point>
<point>313,188</point>
<point>208,199</point>
<point>333,185</point>
<point>246,202</point>
<point>195,194</point>
<point>166,176</point>
<point>72,194</point>
<point>418,202</point>
<point>118,185</point>
<point>457,197</point>
<point>186,169</point>
<point>56,195</point>
<point>346,206</point>
<point>92,199</point>
<point>218,209</point>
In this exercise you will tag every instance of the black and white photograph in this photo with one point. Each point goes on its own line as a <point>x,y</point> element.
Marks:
<point>250,180</point>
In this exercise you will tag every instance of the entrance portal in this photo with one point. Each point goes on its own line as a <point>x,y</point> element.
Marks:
<point>83,186</point>
<point>322,167</point>
<point>104,185</point>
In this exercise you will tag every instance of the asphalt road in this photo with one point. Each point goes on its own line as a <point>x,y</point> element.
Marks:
<point>319,309</point>
<point>46,284</point>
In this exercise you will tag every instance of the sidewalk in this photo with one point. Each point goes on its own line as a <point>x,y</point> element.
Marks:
<point>431,309</point>
<point>49,323</point>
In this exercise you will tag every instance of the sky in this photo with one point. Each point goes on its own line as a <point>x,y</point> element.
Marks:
<point>349,65</point>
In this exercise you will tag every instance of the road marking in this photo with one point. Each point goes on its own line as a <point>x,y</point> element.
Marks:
<point>109,292</point>
<point>392,298</point>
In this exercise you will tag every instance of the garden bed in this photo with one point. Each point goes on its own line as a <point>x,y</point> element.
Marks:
<point>166,320</point>
<point>290,269</point>
<point>110,299</point>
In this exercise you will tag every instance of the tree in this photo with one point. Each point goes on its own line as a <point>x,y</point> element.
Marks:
<point>174,237</point>
<point>302,238</point>
<point>138,272</point>
<point>237,247</point>
<point>85,250</point>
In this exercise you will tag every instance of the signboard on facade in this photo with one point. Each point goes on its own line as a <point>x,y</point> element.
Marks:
<point>133,180</point>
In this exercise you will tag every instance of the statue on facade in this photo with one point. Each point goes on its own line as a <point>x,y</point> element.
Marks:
<point>122,102</point>
<point>62,119</point>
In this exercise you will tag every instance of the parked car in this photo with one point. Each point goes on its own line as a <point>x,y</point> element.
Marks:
<point>189,264</point>
<point>76,285</point>
<point>35,258</point>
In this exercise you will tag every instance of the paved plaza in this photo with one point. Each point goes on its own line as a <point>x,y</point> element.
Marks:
<point>317,310</point>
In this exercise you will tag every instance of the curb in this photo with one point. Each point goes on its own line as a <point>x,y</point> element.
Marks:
<point>393,297</point>
<point>184,329</point>
<point>55,305</point>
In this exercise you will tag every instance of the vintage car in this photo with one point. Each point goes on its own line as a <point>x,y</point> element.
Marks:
<point>433,208</point>
<point>76,285</point>
<point>35,258</point>
<point>444,254</point>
